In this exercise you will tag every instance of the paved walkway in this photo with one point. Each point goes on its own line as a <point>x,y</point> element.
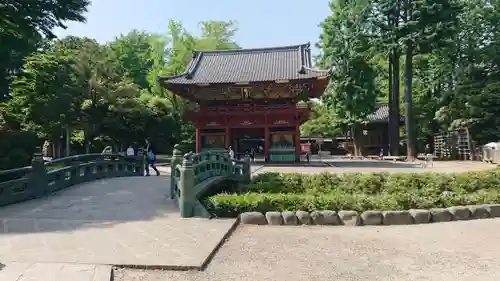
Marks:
<point>121,221</point>
<point>454,251</point>
<point>20,271</point>
<point>370,166</point>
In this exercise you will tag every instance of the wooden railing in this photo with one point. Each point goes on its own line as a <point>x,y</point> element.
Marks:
<point>42,178</point>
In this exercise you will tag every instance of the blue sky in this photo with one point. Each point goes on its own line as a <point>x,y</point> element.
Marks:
<point>261,23</point>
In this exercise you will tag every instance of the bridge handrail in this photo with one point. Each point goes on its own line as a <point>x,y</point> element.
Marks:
<point>87,157</point>
<point>194,174</point>
<point>16,170</point>
<point>39,179</point>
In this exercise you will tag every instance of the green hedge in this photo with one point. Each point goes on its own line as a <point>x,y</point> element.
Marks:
<point>358,191</point>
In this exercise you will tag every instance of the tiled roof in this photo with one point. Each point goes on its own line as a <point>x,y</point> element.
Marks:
<point>381,115</point>
<point>248,65</point>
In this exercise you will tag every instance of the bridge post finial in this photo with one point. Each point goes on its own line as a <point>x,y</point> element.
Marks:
<point>246,169</point>
<point>38,176</point>
<point>187,197</point>
<point>174,161</point>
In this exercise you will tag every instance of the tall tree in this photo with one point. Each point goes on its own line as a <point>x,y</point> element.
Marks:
<point>23,24</point>
<point>133,52</point>
<point>426,25</point>
<point>347,51</point>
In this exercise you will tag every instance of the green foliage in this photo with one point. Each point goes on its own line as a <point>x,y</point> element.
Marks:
<point>24,24</point>
<point>352,93</point>
<point>359,192</point>
<point>101,95</point>
<point>16,149</point>
<point>321,123</point>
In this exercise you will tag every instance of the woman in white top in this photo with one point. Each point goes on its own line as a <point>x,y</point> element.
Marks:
<point>130,151</point>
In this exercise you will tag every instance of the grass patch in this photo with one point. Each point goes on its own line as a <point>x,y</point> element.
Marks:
<point>359,192</point>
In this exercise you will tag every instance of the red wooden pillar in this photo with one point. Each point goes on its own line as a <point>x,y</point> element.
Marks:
<point>198,139</point>
<point>297,143</point>
<point>228,137</point>
<point>266,143</point>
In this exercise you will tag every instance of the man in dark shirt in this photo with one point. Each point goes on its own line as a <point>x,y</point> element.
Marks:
<point>150,158</point>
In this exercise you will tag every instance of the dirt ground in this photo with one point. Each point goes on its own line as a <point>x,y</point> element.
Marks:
<point>453,251</point>
<point>370,166</point>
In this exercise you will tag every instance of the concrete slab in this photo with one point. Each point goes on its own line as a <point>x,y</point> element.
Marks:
<point>21,271</point>
<point>122,221</point>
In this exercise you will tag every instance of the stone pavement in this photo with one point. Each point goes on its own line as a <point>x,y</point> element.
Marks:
<point>121,221</point>
<point>370,166</point>
<point>19,271</point>
<point>453,251</point>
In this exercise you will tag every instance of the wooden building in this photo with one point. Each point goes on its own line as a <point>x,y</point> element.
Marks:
<point>376,132</point>
<point>250,98</point>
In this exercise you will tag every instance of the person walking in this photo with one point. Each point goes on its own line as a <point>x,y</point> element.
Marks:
<point>150,158</point>
<point>429,156</point>
<point>231,153</point>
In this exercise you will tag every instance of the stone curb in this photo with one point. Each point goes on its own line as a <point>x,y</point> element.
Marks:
<point>373,217</point>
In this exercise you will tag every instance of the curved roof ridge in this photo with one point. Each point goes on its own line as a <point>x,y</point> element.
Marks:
<point>264,49</point>
<point>248,65</point>
<point>315,69</point>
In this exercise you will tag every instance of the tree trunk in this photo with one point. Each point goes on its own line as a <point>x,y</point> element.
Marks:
<point>357,140</point>
<point>54,149</point>
<point>394,119</point>
<point>410,133</point>
<point>68,141</point>
<point>87,142</point>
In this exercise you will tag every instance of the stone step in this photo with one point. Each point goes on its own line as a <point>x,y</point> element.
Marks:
<point>24,271</point>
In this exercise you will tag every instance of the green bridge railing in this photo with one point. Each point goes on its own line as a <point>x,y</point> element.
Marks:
<point>43,178</point>
<point>196,176</point>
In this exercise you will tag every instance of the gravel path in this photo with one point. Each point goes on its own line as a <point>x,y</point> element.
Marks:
<point>455,251</point>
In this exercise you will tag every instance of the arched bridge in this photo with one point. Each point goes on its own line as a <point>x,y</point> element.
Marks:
<point>196,176</point>
<point>43,178</point>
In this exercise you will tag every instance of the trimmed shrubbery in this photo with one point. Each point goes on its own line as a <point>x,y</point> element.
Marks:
<point>359,192</point>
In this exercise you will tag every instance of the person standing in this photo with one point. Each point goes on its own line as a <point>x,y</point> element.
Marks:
<point>429,155</point>
<point>231,153</point>
<point>130,151</point>
<point>252,154</point>
<point>150,158</point>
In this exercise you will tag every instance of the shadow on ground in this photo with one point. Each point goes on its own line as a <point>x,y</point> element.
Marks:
<point>100,203</point>
<point>301,164</point>
<point>370,164</point>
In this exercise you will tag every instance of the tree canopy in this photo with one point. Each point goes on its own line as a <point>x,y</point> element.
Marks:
<point>107,94</point>
<point>442,50</point>
<point>435,62</point>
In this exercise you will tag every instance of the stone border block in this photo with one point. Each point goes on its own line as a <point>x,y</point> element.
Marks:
<point>274,218</point>
<point>350,218</point>
<point>479,211</point>
<point>253,218</point>
<point>420,216</point>
<point>317,218</point>
<point>494,210</point>
<point>289,218</point>
<point>459,213</point>
<point>441,215</point>
<point>304,217</point>
<point>330,218</point>
<point>397,218</point>
<point>371,218</point>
